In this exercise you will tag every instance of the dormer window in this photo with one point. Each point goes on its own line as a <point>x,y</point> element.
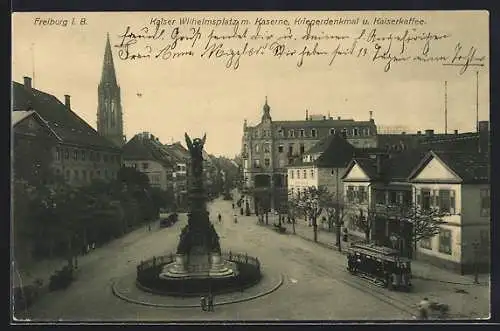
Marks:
<point>302,133</point>
<point>291,133</point>
<point>313,133</point>
<point>355,131</point>
<point>257,148</point>
<point>332,131</point>
<point>281,133</point>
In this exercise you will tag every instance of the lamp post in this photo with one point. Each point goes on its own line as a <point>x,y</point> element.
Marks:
<point>475,246</point>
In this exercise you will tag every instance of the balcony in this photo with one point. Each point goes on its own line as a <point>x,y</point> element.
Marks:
<point>390,210</point>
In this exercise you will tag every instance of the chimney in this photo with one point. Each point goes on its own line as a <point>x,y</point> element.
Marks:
<point>371,115</point>
<point>67,101</point>
<point>484,136</point>
<point>419,133</point>
<point>456,131</point>
<point>307,115</point>
<point>429,132</point>
<point>324,118</point>
<point>27,82</point>
<point>338,118</point>
<point>403,133</point>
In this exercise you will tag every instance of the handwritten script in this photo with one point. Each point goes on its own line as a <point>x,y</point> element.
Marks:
<point>233,44</point>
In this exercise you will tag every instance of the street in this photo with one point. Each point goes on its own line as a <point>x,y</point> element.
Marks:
<point>316,284</point>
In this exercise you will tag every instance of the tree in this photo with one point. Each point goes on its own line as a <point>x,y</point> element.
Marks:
<point>364,221</point>
<point>311,203</point>
<point>426,223</point>
<point>335,210</point>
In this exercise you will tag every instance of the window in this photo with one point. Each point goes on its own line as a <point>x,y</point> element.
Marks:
<point>256,148</point>
<point>485,202</point>
<point>305,173</point>
<point>267,162</point>
<point>83,155</point>
<point>445,241</point>
<point>290,161</point>
<point>302,148</point>
<point>313,133</point>
<point>367,132</point>
<point>298,174</point>
<point>302,133</point>
<point>105,173</point>
<point>75,155</point>
<point>380,197</point>
<point>58,153</point>
<point>134,165</point>
<point>312,173</point>
<point>145,165</point>
<point>362,194</point>
<point>393,198</point>
<point>266,148</point>
<point>426,243</point>
<point>332,131</point>
<point>280,133</point>
<point>256,163</point>
<point>291,174</point>
<point>426,199</point>
<point>444,201</point>
<point>290,149</point>
<point>350,193</point>
<point>355,132</point>
<point>280,149</point>
<point>91,156</point>
<point>291,133</point>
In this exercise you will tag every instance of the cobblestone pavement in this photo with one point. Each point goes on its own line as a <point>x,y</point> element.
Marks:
<point>316,285</point>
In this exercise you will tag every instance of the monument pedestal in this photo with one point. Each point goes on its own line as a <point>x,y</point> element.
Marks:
<point>199,266</point>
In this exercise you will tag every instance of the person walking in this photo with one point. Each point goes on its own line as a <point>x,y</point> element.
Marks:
<point>220,218</point>
<point>203,303</point>
<point>423,308</point>
<point>235,218</point>
<point>232,205</point>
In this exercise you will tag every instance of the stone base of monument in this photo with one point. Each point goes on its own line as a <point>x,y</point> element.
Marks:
<point>198,266</point>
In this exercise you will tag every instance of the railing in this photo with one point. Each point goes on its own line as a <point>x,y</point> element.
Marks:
<point>169,258</point>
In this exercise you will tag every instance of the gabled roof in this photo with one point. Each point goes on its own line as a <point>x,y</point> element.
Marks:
<point>335,152</point>
<point>470,167</point>
<point>395,167</point>
<point>19,116</point>
<point>144,148</point>
<point>63,121</point>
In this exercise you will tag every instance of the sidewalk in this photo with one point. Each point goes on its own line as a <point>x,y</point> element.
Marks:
<point>420,269</point>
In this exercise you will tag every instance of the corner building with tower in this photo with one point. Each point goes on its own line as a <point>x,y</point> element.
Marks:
<point>270,146</point>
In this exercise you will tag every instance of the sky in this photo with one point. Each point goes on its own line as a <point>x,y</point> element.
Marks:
<point>199,94</point>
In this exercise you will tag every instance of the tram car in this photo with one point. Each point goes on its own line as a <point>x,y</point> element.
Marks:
<point>381,265</point>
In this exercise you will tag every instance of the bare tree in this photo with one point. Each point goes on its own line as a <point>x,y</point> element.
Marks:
<point>364,221</point>
<point>334,207</point>
<point>426,223</point>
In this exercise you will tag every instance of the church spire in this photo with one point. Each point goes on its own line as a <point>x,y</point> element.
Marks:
<point>108,68</point>
<point>266,116</point>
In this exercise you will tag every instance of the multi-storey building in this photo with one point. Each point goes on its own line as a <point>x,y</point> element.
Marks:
<point>146,154</point>
<point>80,154</point>
<point>270,146</point>
<point>109,109</point>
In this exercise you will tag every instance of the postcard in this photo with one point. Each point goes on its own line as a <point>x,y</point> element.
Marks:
<point>250,166</point>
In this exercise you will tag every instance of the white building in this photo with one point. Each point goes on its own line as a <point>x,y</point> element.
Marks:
<point>457,184</point>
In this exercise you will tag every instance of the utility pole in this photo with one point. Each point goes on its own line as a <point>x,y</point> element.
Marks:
<point>337,211</point>
<point>477,101</point>
<point>445,107</point>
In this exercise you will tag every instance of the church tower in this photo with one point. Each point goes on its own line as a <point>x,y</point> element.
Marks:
<point>109,108</point>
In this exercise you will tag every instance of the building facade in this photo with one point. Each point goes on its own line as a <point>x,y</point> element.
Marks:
<point>109,107</point>
<point>80,155</point>
<point>146,154</point>
<point>457,185</point>
<point>269,147</point>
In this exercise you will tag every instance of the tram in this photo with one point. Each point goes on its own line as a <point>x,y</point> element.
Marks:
<point>381,265</point>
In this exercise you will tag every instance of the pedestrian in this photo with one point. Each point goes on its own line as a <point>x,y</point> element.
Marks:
<point>93,245</point>
<point>232,205</point>
<point>423,308</point>
<point>87,248</point>
<point>149,227</point>
<point>235,218</point>
<point>203,303</point>
<point>220,218</point>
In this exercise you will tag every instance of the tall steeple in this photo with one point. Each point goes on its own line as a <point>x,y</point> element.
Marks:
<point>108,67</point>
<point>109,108</point>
